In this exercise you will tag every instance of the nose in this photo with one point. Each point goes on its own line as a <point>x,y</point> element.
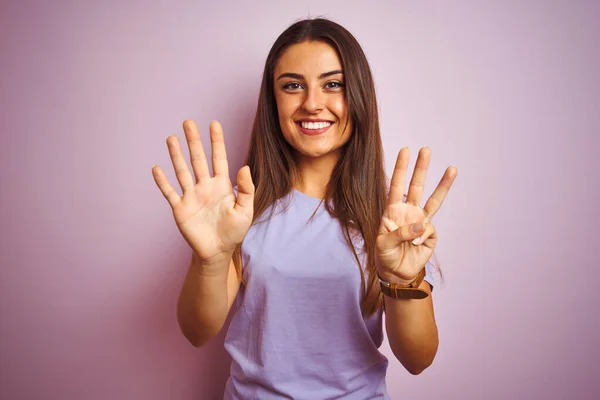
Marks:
<point>314,100</point>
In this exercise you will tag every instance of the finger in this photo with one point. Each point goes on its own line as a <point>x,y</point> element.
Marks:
<point>165,187</point>
<point>404,234</point>
<point>184,177</point>
<point>197,155</point>
<point>417,183</point>
<point>430,233</point>
<point>219,155</point>
<point>245,198</point>
<point>399,177</point>
<point>439,194</point>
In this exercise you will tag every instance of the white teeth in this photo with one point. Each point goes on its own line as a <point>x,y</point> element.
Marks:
<point>315,125</point>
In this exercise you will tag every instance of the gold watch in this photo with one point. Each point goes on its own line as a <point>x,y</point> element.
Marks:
<point>410,291</point>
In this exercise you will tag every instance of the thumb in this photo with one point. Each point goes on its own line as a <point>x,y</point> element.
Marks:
<point>409,232</point>
<point>245,198</point>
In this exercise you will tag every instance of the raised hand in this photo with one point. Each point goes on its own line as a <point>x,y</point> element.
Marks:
<point>208,214</point>
<point>407,237</point>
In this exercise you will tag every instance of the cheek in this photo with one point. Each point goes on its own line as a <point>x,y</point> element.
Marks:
<point>339,107</point>
<point>286,106</point>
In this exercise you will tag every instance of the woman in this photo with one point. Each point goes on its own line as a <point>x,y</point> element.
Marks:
<point>310,244</point>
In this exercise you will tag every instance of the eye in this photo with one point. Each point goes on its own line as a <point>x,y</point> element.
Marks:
<point>292,86</point>
<point>334,85</point>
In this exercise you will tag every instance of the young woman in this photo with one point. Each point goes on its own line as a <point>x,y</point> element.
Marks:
<point>311,245</point>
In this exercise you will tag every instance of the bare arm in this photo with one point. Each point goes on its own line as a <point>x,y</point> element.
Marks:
<point>206,297</point>
<point>405,244</point>
<point>412,331</point>
<point>214,221</point>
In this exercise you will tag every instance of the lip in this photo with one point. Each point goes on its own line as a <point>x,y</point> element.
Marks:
<point>313,132</point>
<point>313,120</point>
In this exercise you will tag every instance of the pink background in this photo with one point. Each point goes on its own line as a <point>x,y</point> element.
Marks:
<point>91,260</point>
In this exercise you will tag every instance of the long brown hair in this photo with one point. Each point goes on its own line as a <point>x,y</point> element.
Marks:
<point>357,188</point>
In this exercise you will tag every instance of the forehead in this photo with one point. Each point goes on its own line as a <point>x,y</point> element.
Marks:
<point>308,59</point>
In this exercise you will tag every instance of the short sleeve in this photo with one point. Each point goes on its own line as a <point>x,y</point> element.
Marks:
<point>429,274</point>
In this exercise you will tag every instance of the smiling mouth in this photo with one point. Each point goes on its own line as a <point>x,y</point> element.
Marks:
<point>314,125</point>
<point>313,128</point>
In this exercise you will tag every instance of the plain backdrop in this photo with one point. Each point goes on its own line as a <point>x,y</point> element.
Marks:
<point>92,262</point>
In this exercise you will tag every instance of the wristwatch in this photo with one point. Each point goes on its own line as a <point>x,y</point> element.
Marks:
<point>410,291</point>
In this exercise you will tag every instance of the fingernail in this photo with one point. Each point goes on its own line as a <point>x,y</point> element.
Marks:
<point>416,241</point>
<point>418,227</point>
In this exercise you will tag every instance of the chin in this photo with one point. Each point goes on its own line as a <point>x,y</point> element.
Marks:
<point>315,152</point>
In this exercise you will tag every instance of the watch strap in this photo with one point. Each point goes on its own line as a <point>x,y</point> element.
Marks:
<point>410,291</point>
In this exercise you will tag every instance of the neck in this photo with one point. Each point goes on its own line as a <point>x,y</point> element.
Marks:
<point>315,173</point>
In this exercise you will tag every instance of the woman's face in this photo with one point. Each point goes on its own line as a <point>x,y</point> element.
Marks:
<point>311,101</point>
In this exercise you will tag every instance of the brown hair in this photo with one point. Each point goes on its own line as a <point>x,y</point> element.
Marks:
<point>357,188</point>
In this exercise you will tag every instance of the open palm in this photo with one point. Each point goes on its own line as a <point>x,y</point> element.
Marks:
<point>406,237</point>
<point>208,214</point>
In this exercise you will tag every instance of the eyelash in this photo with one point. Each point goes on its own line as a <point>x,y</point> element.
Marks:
<point>287,86</point>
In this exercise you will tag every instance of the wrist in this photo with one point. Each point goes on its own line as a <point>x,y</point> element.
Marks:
<point>215,267</point>
<point>400,288</point>
<point>395,279</point>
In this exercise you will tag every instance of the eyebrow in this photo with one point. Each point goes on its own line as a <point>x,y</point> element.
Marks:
<point>301,77</point>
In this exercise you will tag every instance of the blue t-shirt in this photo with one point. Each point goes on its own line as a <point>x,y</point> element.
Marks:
<point>298,332</point>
